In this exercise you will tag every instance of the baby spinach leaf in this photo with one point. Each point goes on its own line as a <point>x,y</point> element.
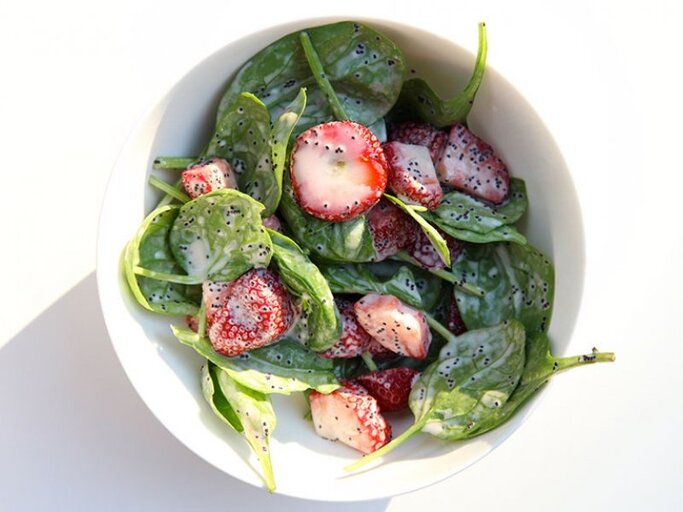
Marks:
<point>348,241</point>
<point>518,281</point>
<point>419,101</point>
<point>305,280</point>
<point>247,411</point>
<point>365,68</point>
<point>464,212</point>
<point>501,234</point>
<point>540,366</point>
<point>432,234</point>
<point>414,287</point>
<point>282,367</point>
<point>219,236</point>
<point>150,249</point>
<point>475,374</point>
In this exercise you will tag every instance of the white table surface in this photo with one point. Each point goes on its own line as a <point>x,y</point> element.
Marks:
<point>77,76</point>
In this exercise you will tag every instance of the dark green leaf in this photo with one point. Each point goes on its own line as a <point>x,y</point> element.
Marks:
<point>501,234</point>
<point>282,367</point>
<point>518,281</point>
<point>305,280</point>
<point>219,236</point>
<point>365,69</point>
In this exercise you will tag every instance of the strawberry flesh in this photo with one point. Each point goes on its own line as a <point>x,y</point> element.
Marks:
<point>421,134</point>
<point>390,387</point>
<point>350,415</point>
<point>338,170</point>
<point>468,163</point>
<point>207,176</point>
<point>454,321</point>
<point>395,325</point>
<point>424,252</point>
<point>250,312</point>
<point>354,340</point>
<point>391,229</point>
<point>412,176</point>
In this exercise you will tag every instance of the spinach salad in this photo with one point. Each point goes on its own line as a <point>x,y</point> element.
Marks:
<point>345,235</point>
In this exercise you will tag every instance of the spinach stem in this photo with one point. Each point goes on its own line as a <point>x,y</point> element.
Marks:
<point>369,362</point>
<point>443,274</point>
<point>168,198</point>
<point>438,327</point>
<point>413,429</point>
<point>480,66</point>
<point>170,163</point>
<point>170,190</point>
<point>320,77</point>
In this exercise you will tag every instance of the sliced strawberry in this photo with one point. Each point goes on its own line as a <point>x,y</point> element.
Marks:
<point>191,322</point>
<point>273,222</point>
<point>469,164</point>
<point>412,176</point>
<point>425,253</point>
<point>207,176</point>
<point>422,134</point>
<point>338,170</point>
<point>391,229</point>
<point>390,387</point>
<point>378,351</point>
<point>454,321</point>
<point>250,312</point>
<point>397,326</point>
<point>350,415</point>
<point>354,340</point>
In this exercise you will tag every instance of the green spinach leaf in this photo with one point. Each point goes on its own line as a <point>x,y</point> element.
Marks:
<point>219,236</point>
<point>419,101</point>
<point>349,241</point>
<point>305,280</point>
<point>518,282</point>
<point>365,68</point>
<point>282,367</point>
<point>150,249</point>
<point>247,411</point>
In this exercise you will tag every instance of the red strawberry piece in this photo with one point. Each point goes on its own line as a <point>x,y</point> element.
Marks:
<point>207,176</point>
<point>469,164</point>
<point>338,170</point>
<point>421,134</point>
<point>192,322</point>
<point>379,351</point>
<point>395,325</point>
<point>391,229</point>
<point>425,253</point>
<point>454,321</point>
<point>412,176</point>
<point>273,223</point>
<point>350,415</point>
<point>390,387</point>
<point>250,312</point>
<point>354,340</point>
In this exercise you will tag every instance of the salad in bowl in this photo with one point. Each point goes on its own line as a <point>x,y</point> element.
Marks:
<point>340,247</point>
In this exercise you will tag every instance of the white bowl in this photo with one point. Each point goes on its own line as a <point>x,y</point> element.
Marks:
<point>166,373</point>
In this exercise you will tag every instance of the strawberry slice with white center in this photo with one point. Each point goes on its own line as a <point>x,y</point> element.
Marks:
<point>412,176</point>
<point>395,325</point>
<point>350,415</point>
<point>207,176</point>
<point>338,170</point>
<point>390,387</point>
<point>254,310</point>
<point>391,229</point>
<point>468,163</point>
<point>422,134</point>
<point>353,340</point>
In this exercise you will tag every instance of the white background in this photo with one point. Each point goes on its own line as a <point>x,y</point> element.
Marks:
<point>77,76</point>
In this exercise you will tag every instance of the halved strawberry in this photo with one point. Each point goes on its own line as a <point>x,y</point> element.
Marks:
<point>254,310</point>
<point>468,163</point>
<point>354,340</point>
<point>207,176</point>
<point>412,176</point>
<point>338,170</point>
<point>350,415</point>
<point>273,222</point>
<point>422,134</point>
<point>397,326</point>
<point>425,253</point>
<point>454,321</point>
<point>391,229</point>
<point>390,387</point>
